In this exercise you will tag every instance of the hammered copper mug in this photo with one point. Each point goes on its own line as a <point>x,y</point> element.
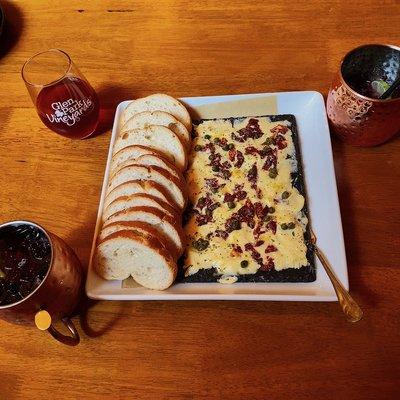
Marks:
<point>56,297</point>
<point>354,115</point>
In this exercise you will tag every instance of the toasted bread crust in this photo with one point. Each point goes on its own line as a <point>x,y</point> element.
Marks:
<point>150,185</point>
<point>152,137</point>
<point>164,205</point>
<point>152,103</point>
<point>145,228</point>
<point>160,215</point>
<point>181,202</point>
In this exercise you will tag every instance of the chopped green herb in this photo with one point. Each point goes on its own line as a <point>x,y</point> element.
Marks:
<point>267,218</point>
<point>291,225</point>
<point>285,195</point>
<point>207,136</point>
<point>231,204</point>
<point>214,190</point>
<point>215,168</point>
<point>200,244</point>
<point>231,146</point>
<point>273,173</point>
<point>271,210</point>
<point>225,148</point>
<point>235,225</point>
<point>268,141</point>
<point>284,226</point>
<point>244,264</point>
<point>226,174</point>
<point>197,147</point>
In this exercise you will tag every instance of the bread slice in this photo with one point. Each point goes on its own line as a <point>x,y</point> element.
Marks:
<point>159,102</point>
<point>136,186</point>
<point>156,174</point>
<point>133,153</point>
<point>132,253</point>
<point>147,118</point>
<point>139,200</point>
<point>154,161</point>
<point>141,227</point>
<point>158,219</point>
<point>156,137</point>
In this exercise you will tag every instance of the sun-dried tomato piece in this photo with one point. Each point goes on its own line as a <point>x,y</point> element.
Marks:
<point>232,154</point>
<point>253,174</point>
<point>222,234</point>
<point>209,146</point>
<point>251,150</point>
<point>270,248</point>
<point>229,198</point>
<point>280,142</point>
<point>271,159</point>
<point>237,248</point>
<point>268,265</point>
<point>248,247</point>
<point>279,129</point>
<point>212,183</point>
<point>232,224</point>
<point>226,165</point>
<point>239,159</point>
<point>259,210</point>
<point>203,219</point>
<point>271,226</point>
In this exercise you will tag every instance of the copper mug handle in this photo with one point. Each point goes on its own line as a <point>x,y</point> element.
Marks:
<point>43,322</point>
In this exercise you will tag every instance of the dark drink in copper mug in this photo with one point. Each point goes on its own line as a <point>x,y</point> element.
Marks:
<point>40,279</point>
<point>65,101</point>
<point>355,112</point>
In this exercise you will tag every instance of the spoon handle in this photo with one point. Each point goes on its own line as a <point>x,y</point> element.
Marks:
<point>350,308</point>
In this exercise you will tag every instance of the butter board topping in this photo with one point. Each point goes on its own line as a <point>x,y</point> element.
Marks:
<point>247,216</point>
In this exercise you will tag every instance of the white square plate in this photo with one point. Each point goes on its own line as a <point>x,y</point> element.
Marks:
<point>309,110</point>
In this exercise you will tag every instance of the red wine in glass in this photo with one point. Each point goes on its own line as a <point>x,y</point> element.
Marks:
<point>69,107</point>
<point>64,100</point>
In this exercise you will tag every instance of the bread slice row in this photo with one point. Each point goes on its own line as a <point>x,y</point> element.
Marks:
<point>146,194</point>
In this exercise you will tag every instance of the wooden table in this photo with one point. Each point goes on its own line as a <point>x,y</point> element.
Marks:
<point>202,350</point>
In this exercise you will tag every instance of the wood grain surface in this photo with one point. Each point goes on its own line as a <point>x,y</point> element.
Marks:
<point>199,350</point>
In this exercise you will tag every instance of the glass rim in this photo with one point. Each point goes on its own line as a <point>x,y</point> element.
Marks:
<point>26,222</point>
<point>347,86</point>
<point>42,85</point>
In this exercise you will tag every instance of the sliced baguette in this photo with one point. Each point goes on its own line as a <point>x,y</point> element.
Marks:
<point>156,137</point>
<point>147,118</point>
<point>133,153</point>
<point>141,227</point>
<point>158,102</point>
<point>132,253</point>
<point>136,186</point>
<point>139,200</point>
<point>162,222</point>
<point>154,161</point>
<point>156,174</point>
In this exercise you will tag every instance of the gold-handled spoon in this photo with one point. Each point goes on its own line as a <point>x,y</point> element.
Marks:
<point>350,308</point>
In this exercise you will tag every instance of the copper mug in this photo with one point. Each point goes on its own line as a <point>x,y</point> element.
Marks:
<point>354,115</point>
<point>56,297</point>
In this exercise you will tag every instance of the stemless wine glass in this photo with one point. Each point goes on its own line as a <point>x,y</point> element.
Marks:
<point>64,99</point>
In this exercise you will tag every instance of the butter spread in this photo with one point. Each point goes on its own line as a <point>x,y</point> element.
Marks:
<point>245,214</point>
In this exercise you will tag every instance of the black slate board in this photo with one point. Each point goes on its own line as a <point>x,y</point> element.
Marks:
<point>306,273</point>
